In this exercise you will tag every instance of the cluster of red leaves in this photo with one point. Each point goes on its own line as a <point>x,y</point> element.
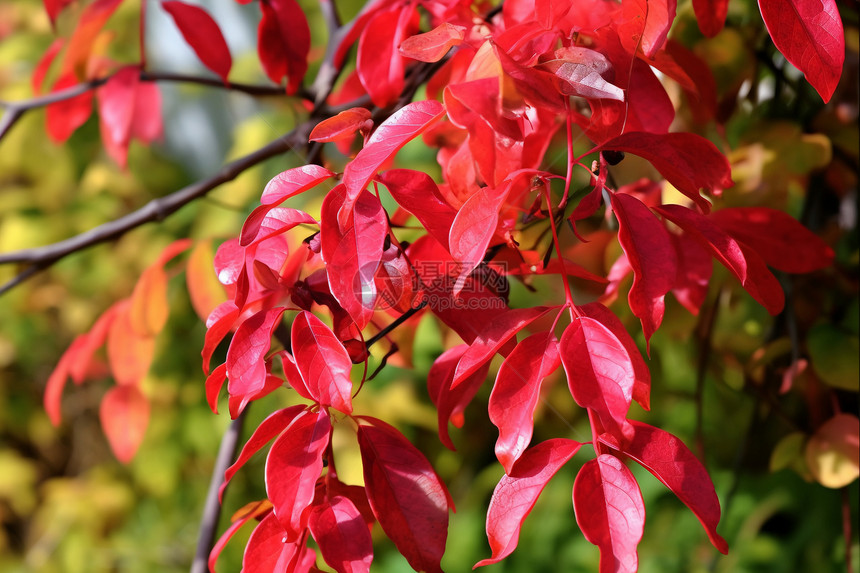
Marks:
<point>504,86</point>
<point>128,330</point>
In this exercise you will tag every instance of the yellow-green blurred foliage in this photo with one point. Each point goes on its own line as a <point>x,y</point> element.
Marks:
<point>67,506</point>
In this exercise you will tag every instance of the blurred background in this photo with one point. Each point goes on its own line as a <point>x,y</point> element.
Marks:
<point>67,505</point>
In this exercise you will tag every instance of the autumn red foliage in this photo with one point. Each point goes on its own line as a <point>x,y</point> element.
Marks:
<point>502,84</point>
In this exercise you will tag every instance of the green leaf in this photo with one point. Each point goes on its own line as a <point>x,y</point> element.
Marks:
<point>834,356</point>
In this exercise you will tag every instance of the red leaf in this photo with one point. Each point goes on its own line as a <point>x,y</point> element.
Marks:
<point>64,117</point>
<point>599,372</point>
<point>738,258</point>
<point>57,380</point>
<point>265,222</point>
<point>674,464</point>
<point>650,252</point>
<point>646,24</point>
<point>517,493</point>
<point>380,66</point>
<point>292,467</point>
<point>273,425</point>
<point>642,386</point>
<point>124,414</point>
<point>221,321</point>
<point>688,161</point>
<point>171,251</point>
<point>408,498</point>
<point>202,34</point>
<point>77,361</point>
<point>473,228</point>
<point>493,337</point>
<point>54,7</point>
<point>283,42</point>
<point>90,24</point>
<point>84,362</point>
<point>229,263</point>
<point>778,238</point>
<point>809,34</point>
<point>693,75</point>
<point>146,122</point>
<point>610,512</point>
<point>353,250</point>
<point>246,366</point>
<point>470,102</point>
<point>711,15</point>
<point>442,371</point>
<point>647,102</point>
<point>214,383</point>
<point>451,402</point>
<point>477,304</point>
<point>433,45</point>
<point>358,26</point>
<point>550,12</point>
<point>128,108</point>
<point>405,124</point>
<point>694,273</point>
<point>342,536</point>
<point>248,512</point>
<point>294,377</point>
<point>495,138</point>
<point>516,392</point>
<point>356,494</point>
<point>343,125</point>
<point>267,551</point>
<point>416,192</point>
<point>322,361</point>
<point>44,64</point>
<point>540,88</point>
<point>556,267</point>
<point>292,182</point>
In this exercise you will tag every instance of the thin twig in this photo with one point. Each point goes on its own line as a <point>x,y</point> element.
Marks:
<point>394,324</point>
<point>737,465</point>
<point>330,69</point>
<point>705,330</point>
<point>8,120</point>
<point>846,529</point>
<point>54,97</point>
<point>212,506</point>
<point>249,89</point>
<point>16,109</point>
<point>331,16</point>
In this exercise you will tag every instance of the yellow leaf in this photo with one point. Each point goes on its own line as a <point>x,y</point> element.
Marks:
<point>833,453</point>
<point>148,312</point>
<point>203,287</point>
<point>129,353</point>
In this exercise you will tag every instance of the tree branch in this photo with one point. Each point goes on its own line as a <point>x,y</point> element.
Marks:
<point>156,210</point>
<point>331,16</point>
<point>249,89</point>
<point>394,324</point>
<point>212,507</point>
<point>16,109</point>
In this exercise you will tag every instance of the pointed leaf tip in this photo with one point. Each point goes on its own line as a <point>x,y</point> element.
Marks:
<point>202,34</point>
<point>516,494</point>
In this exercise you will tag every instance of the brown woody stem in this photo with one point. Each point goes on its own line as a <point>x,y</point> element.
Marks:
<point>212,507</point>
